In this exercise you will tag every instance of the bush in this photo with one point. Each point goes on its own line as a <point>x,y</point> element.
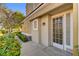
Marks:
<point>3,31</point>
<point>9,46</point>
<point>21,36</point>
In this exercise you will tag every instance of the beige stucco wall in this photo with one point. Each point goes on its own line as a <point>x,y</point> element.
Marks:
<point>45,8</point>
<point>78,25</point>
<point>44,30</point>
<point>30,7</point>
<point>26,27</point>
<point>35,33</point>
<point>41,35</point>
<point>75,28</point>
<point>44,35</point>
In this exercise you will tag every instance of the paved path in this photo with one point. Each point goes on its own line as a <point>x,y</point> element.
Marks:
<point>32,49</point>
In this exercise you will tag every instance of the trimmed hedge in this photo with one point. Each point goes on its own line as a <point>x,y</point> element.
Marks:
<point>9,46</point>
<point>21,36</point>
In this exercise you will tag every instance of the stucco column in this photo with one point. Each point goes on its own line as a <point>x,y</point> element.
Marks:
<point>75,29</point>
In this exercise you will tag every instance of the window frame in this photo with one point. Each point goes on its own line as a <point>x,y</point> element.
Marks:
<point>35,24</point>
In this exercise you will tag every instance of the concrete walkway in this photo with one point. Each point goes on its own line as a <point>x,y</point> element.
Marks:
<point>32,49</point>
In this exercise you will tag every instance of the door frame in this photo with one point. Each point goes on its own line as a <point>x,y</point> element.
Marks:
<point>55,44</point>
<point>64,47</point>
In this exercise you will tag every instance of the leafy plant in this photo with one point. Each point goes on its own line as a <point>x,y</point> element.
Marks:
<point>21,36</point>
<point>77,48</point>
<point>9,46</point>
<point>11,20</point>
<point>3,31</point>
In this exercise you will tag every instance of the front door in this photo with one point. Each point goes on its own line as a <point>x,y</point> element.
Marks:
<point>58,32</point>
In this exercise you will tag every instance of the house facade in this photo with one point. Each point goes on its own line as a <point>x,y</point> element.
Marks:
<point>53,24</point>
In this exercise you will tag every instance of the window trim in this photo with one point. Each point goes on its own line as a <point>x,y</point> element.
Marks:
<point>36,20</point>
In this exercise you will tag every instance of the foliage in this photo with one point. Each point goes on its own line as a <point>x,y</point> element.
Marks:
<point>77,48</point>
<point>9,46</point>
<point>11,19</point>
<point>17,17</point>
<point>21,36</point>
<point>6,19</point>
<point>3,31</point>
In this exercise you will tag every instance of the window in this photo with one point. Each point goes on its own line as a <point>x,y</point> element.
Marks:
<point>35,24</point>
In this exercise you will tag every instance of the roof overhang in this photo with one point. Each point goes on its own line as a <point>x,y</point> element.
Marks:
<point>45,8</point>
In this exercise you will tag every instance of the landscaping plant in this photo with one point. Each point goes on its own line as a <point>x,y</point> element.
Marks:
<point>3,31</point>
<point>9,46</point>
<point>21,36</point>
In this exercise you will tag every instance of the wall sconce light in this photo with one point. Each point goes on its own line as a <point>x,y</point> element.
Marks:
<point>44,23</point>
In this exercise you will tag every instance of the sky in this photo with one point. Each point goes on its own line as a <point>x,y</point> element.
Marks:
<point>17,7</point>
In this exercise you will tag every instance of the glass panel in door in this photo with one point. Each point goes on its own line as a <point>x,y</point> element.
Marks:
<point>57,30</point>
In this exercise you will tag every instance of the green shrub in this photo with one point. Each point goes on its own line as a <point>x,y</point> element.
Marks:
<point>21,36</point>
<point>9,46</point>
<point>3,31</point>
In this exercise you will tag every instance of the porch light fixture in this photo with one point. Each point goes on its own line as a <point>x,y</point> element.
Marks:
<point>44,23</point>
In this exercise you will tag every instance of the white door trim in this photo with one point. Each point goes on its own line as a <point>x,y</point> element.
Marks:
<point>64,46</point>
<point>71,31</point>
<point>71,24</point>
<point>55,44</point>
<point>58,45</point>
<point>64,32</point>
